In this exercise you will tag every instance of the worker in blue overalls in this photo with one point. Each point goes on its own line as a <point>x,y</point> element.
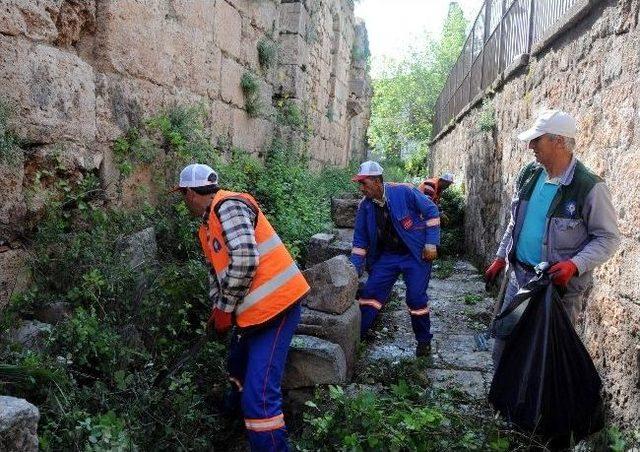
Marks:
<point>396,232</point>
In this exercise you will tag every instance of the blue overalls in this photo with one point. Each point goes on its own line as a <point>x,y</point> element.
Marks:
<point>416,220</point>
<point>256,364</point>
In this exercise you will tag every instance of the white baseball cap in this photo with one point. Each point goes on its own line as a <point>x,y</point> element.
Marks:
<point>551,121</point>
<point>448,177</point>
<point>197,175</point>
<point>368,168</point>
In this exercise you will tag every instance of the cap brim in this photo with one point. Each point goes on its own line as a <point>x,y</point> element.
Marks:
<point>358,178</point>
<point>530,134</point>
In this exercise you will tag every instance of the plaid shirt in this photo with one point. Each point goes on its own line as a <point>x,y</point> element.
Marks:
<point>237,221</point>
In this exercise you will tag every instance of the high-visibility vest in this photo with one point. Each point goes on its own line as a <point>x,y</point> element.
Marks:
<point>277,283</point>
<point>431,188</point>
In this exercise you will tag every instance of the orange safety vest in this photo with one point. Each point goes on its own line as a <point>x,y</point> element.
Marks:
<point>431,188</point>
<point>277,284</point>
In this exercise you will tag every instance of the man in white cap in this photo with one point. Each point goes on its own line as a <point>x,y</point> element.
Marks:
<point>561,213</point>
<point>397,231</point>
<point>434,186</point>
<point>255,285</point>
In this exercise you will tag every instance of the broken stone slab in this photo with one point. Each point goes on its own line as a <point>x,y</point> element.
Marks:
<point>343,329</point>
<point>324,246</point>
<point>31,334</point>
<point>333,285</point>
<point>54,313</point>
<point>18,425</point>
<point>313,361</point>
<point>343,211</point>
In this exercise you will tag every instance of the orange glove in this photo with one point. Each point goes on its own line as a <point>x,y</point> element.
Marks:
<point>562,272</point>
<point>493,270</point>
<point>220,321</point>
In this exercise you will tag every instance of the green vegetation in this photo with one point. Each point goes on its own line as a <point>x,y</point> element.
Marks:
<point>251,90</point>
<point>452,219</point>
<point>10,151</point>
<point>405,95</point>
<point>443,268</point>
<point>401,412</point>
<point>267,53</point>
<point>290,114</point>
<point>471,299</point>
<point>487,118</point>
<point>92,378</point>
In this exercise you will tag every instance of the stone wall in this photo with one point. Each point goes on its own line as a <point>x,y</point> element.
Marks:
<point>590,71</point>
<point>80,73</point>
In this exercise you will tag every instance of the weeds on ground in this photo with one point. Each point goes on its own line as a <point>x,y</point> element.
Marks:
<point>400,412</point>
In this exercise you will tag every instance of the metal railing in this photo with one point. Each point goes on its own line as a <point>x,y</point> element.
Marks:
<point>502,31</point>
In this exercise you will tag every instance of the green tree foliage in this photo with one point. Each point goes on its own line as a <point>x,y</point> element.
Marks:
<point>406,93</point>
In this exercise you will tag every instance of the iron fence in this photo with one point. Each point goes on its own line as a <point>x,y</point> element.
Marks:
<point>502,31</point>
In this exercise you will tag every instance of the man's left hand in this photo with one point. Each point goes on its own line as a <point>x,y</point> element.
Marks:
<point>562,272</point>
<point>220,321</point>
<point>429,252</point>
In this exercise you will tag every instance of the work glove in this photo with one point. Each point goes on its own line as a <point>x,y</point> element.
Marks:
<point>220,321</point>
<point>429,252</point>
<point>562,272</point>
<point>493,270</point>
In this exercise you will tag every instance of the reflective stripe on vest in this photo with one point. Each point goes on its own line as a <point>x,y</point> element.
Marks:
<point>277,283</point>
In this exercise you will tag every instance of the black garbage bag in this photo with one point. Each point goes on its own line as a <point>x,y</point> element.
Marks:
<point>546,382</point>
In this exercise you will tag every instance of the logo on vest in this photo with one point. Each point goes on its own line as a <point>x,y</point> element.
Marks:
<point>570,208</point>
<point>216,246</point>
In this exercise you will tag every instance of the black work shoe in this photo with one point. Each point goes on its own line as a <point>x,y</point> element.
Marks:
<point>423,349</point>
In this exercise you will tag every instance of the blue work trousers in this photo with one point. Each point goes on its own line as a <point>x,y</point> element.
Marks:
<point>256,363</point>
<point>383,275</point>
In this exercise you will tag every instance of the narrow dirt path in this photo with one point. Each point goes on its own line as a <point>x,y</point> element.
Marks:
<point>460,308</point>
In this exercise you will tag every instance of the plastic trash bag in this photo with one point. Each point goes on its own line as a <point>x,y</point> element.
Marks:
<point>510,315</point>
<point>546,382</point>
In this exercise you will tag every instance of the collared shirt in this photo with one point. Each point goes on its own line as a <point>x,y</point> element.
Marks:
<point>237,220</point>
<point>529,246</point>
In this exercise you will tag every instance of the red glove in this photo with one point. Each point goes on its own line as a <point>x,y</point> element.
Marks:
<point>493,270</point>
<point>562,272</point>
<point>220,321</point>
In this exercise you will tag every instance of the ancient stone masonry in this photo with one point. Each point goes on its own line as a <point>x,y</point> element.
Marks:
<point>590,71</point>
<point>80,73</point>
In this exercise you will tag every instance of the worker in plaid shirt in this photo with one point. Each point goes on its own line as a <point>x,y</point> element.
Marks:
<point>254,284</point>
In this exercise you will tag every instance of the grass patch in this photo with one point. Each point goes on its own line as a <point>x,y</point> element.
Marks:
<point>472,299</point>
<point>267,53</point>
<point>443,268</point>
<point>251,91</point>
<point>10,152</point>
